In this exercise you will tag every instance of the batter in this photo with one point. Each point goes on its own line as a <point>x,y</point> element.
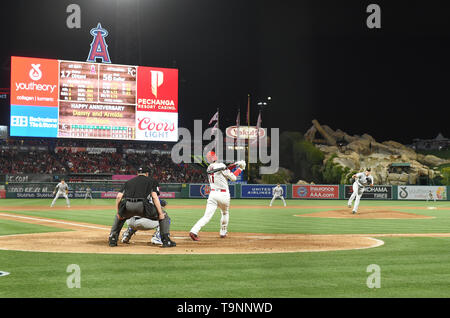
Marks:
<point>219,196</point>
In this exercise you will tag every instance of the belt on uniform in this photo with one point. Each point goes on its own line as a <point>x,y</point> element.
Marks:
<point>134,199</point>
<point>221,190</point>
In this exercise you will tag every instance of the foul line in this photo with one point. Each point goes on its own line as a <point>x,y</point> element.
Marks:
<point>53,221</point>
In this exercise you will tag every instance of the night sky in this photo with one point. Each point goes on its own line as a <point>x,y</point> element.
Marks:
<point>316,58</point>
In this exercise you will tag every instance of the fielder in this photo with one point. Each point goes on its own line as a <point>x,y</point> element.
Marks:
<point>88,193</point>
<point>219,196</point>
<point>277,192</point>
<point>362,180</point>
<point>63,190</point>
<point>430,196</point>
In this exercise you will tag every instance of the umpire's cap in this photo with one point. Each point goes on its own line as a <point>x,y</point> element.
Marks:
<point>143,170</point>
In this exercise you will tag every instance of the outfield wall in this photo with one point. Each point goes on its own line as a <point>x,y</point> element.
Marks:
<point>109,189</point>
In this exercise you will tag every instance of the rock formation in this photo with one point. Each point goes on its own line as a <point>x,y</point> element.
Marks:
<point>358,152</point>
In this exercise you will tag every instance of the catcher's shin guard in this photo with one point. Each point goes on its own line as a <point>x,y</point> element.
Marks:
<point>164,225</point>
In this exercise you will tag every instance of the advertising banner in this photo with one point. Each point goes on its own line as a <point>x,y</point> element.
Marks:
<point>24,148</point>
<point>30,188</point>
<point>34,82</point>
<point>157,89</point>
<point>113,195</point>
<point>377,192</point>
<point>245,132</point>
<point>70,149</point>
<point>42,195</point>
<point>34,121</point>
<point>28,178</point>
<point>108,195</point>
<point>315,191</point>
<point>124,177</point>
<point>201,190</point>
<point>95,150</point>
<point>422,192</point>
<point>259,190</point>
<point>156,126</point>
<point>167,195</point>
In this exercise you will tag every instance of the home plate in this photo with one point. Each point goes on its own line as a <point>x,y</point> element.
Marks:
<point>431,208</point>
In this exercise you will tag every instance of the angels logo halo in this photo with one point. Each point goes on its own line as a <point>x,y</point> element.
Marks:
<point>99,48</point>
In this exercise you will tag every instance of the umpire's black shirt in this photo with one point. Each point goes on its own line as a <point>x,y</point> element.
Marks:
<point>139,187</point>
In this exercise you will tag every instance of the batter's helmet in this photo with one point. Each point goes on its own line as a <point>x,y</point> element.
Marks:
<point>211,157</point>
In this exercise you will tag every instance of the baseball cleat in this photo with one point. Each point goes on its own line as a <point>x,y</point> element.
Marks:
<point>167,242</point>
<point>193,236</point>
<point>353,212</point>
<point>112,241</point>
<point>126,236</point>
<point>223,236</point>
<point>349,206</point>
<point>156,239</point>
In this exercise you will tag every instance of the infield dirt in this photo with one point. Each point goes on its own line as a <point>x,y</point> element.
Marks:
<point>91,238</point>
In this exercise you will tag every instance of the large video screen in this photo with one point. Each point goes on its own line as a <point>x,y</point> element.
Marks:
<point>67,99</point>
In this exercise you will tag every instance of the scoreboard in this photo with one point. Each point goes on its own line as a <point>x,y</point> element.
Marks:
<point>68,99</point>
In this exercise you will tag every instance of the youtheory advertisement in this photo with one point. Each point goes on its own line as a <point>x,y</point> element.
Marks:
<point>68,99</point>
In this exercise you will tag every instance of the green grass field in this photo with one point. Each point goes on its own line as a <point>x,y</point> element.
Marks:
<point>410,266</point>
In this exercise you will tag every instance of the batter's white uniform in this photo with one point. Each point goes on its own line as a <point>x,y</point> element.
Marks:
<point>219,196</point>
<point>62,188</point>
<point>358,189</point>
<point>277,192</point>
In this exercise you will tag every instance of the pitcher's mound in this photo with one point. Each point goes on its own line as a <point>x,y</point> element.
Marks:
<point>365,214</point>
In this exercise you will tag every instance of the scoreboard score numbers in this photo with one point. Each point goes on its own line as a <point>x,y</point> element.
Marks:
<point>68,99</point>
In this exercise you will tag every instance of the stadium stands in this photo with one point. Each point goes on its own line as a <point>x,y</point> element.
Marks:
<point>72,157</point>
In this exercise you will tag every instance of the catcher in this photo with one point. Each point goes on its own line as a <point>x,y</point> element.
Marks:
<point>137,223</point>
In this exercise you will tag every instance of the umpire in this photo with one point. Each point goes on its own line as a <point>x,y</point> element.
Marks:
<point>139,197</point>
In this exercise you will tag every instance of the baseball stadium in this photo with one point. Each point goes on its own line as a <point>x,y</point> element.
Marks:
<point>167,175</point>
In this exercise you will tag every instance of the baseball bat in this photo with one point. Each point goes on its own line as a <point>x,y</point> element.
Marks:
<point>230,166</point>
